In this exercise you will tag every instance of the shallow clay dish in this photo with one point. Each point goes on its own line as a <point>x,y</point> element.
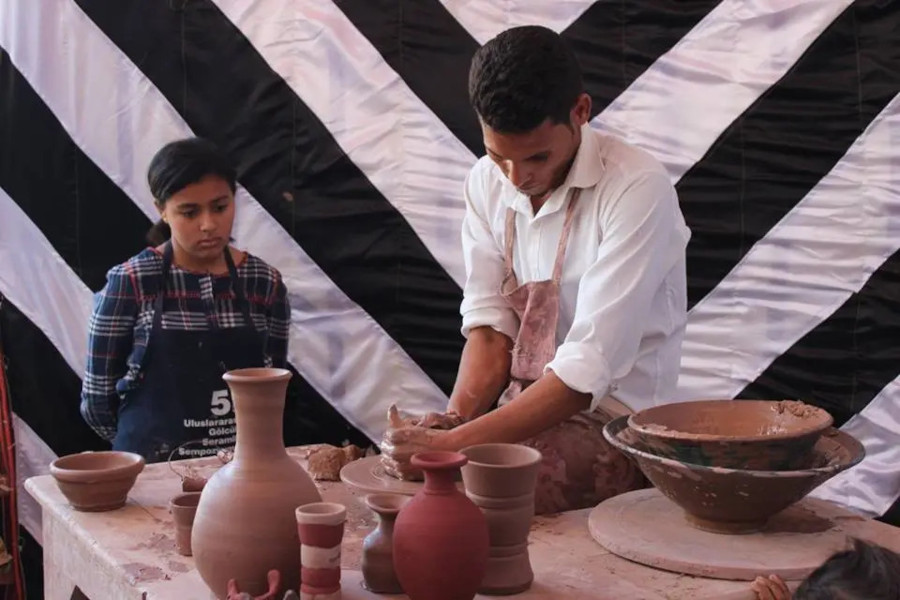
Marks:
<point>97,481</point>
<point>733,500</point>
<point>737,434</point>
<point>367,475</point>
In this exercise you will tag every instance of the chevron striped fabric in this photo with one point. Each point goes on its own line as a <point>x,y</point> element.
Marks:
<point>779,123</point>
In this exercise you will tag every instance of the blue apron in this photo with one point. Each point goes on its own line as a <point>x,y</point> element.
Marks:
<point>181,397</point>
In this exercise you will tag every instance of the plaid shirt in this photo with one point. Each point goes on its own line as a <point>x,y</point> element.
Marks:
<point>123,317</point>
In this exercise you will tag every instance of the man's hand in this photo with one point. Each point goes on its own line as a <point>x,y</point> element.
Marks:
<point>406,437</point>
<point>773,588</point>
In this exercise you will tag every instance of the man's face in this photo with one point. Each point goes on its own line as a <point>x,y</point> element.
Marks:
<point>537,161</point>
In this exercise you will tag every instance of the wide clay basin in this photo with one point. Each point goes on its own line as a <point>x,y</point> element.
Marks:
<point>97,481</point>
<point>735,500</point>
<point>737,434</point>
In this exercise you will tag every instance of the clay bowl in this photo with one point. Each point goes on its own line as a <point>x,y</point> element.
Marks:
<point>735,500</point>
<point>736,434</point>
<point>97,481</point>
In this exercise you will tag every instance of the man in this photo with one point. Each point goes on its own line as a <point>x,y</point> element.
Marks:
<point>575,299</point>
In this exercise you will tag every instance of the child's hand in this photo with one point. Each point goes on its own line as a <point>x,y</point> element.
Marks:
<point>773,588</point>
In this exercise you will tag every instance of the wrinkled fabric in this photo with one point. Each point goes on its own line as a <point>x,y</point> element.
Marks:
<point>579,468</point>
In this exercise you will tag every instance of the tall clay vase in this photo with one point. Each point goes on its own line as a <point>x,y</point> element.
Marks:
<point>245,524</point>
<point>440,536</point>
<point>378,571</point>
<point>500,479</point>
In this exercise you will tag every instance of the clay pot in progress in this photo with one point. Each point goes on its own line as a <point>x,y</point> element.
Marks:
<point>736,434</point>
<point>321,528</point>
<point>500,480</point>
<point>97,481</point>
<point>245,524</point>
<point>733,500</point>
<point>440,536</point>
<point>183,508</point>
<point>378,571</point>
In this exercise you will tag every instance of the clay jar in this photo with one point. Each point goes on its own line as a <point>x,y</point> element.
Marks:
<point>378,571</point>
<point>245,524</point>
<point>440,536</point>
<point>500,479</point>
<point>183,508</point>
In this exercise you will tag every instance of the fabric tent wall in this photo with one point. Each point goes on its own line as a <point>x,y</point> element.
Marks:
<point>350,125</point>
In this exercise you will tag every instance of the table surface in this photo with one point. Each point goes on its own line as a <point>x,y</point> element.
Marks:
<point>130,552</point>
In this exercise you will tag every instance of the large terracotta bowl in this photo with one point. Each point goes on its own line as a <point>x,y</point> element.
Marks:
<point>737,434</point>
<point>97,481</point>
<point>734,500</point>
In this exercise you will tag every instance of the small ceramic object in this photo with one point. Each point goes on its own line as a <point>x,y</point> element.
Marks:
<point>378,571</point>
<point>724,500</point>
<point>183,508</point>
<point>245,524</point>
<point>500,479</point>
<point>321,529</point>
<point>273,578</point>
<point>736,434</point>
<point>440,536</point>
<point>97,481</point>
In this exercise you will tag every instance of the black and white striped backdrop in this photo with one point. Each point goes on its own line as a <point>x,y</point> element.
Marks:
<point>778,120</point>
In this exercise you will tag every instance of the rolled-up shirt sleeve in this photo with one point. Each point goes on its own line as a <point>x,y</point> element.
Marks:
<point>644,237</point>
<point>482,303</point>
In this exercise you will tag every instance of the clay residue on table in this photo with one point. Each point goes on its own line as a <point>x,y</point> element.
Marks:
<point>141,573</point>
<point>796,408</point>
<point>158,542</point>
<point>177,567</point>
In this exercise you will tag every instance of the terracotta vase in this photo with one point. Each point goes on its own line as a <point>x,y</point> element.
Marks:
<point>184,508</point>
<point>378,571</point>
<point>440,536</point>
<point>245,524</point>
<point>321,528</point>
<point>500,479</point>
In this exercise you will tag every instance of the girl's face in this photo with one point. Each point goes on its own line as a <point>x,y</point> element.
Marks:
<point>201,216</point>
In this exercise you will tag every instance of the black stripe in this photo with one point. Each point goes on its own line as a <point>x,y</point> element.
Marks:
<point>617,41</point>
<point>793,135</point>
<point>430,50</point>
<point>842,364</point>
<point>290,162</point>
<point>44,390</point>
<point>90,222</point>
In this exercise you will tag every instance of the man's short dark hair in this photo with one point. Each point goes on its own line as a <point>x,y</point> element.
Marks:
<point>523,77</point>
<point>867,572</point>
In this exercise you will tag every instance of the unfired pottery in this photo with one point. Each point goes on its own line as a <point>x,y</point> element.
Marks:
<point>734,500</point>
<point>440,536</point>
<point>500,479</point>
<point>736,434</point>
<point>321,528</point>
<point>97,481</point>
<point>378,547</point>
<point>183,508</point>
<point>245,523</point>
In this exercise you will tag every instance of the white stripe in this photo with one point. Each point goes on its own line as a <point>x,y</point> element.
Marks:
<point>33,458</point>
<point>487,18</point>
<point>874,484</point>
<point>805,268</point>
<point>712,75</point>
<point>312,557</point>
<point>119,119</point>
<point>403,149</point>
<point>36,279</point>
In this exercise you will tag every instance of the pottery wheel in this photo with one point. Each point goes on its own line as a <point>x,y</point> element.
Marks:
<point>646,527</point>
<point>367,475</point>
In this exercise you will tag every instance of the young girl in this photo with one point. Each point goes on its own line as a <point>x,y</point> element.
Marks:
<point>867,572</point>
<point>172,319</point>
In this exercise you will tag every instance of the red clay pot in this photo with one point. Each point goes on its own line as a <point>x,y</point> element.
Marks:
<point>440,536</point>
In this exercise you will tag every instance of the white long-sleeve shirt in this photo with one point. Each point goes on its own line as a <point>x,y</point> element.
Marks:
<point>623,297</point>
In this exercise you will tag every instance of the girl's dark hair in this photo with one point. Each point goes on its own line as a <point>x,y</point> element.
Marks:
<point>179,164</point>
<point>867,572</point>
<point>523,77</point>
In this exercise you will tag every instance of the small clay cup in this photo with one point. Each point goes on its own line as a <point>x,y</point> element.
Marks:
<point>97,481</point>
<point>320,526</point>
<point>183,508</point>
<point>735,434</point>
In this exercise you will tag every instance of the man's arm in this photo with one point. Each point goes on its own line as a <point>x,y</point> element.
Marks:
<point>483,372</point>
